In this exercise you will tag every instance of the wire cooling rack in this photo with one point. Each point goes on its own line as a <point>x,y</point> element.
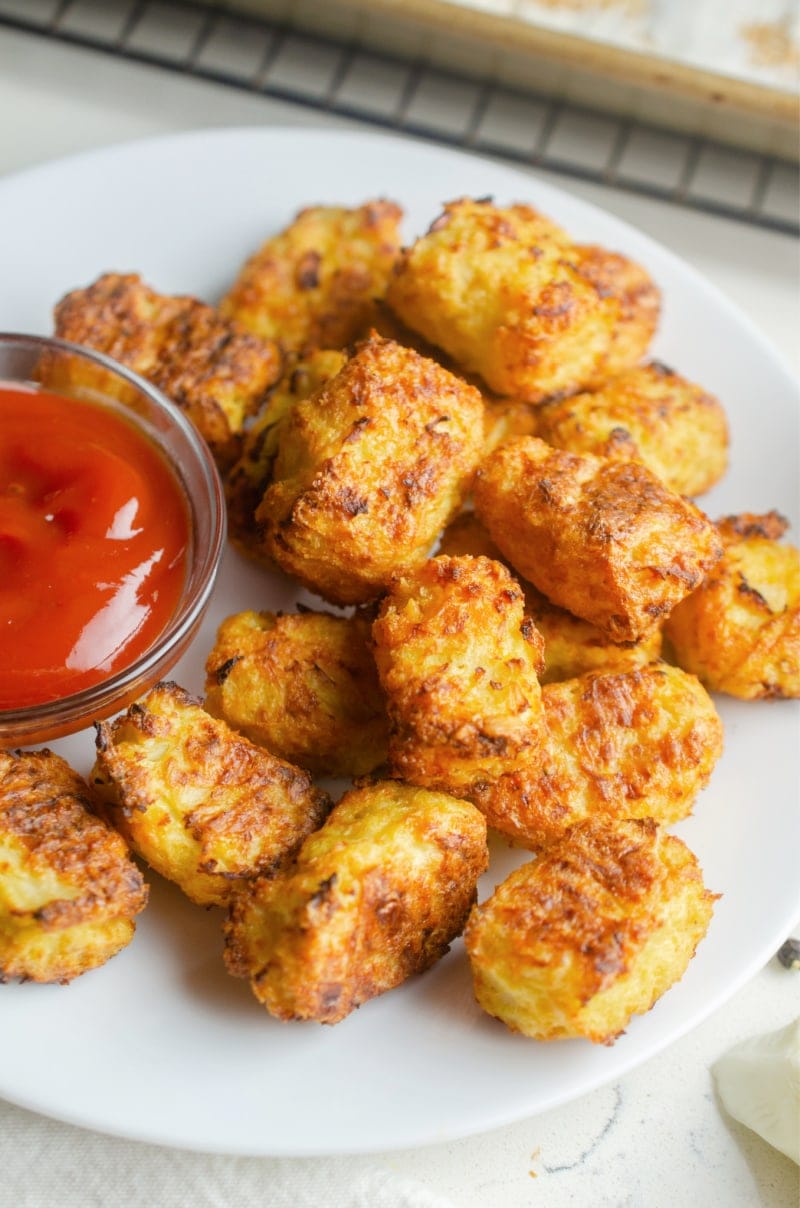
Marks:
<point>278,60</point>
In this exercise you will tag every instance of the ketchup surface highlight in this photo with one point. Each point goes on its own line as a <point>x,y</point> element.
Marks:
<point>94,538</point>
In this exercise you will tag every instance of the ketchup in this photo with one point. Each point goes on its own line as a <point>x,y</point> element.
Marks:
<point>94,536</point>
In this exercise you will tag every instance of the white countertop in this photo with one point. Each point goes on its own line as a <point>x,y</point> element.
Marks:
<point>657,1137</point>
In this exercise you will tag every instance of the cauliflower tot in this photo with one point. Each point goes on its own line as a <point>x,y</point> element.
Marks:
<point>212,369</point>
<point>369,470</point>
<point>203,806</point>
<point>458,662</point>
<point>508,295</point>
<point>304,686</point>
<point>69,891</point>
<point>589,934</point>
<point>376,895</point>
<point>604,539</point>
<point>648,414</point>
<point>740,630</point>
<point>637,743</point>
<point>313,285</point>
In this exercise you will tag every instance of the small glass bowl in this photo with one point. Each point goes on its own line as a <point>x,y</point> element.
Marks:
<point>83,374</point>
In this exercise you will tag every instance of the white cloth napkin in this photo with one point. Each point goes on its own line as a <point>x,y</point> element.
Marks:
<point>759,1084</point>
<point>73,1168</point>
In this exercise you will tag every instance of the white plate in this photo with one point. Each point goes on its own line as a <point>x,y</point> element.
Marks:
<point>161,1044</point>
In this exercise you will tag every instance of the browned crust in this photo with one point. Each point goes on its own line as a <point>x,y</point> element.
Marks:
<point>303,685</point>
<point>594,915</point>
<point>601,538</point>
<point>769,525</point>
<point>369,470</point>
<point>571,646</point>
<point>649,414</point>
<point>508,295</point>
<point>458,662</point>
<point>170,773</point>
<point>377,895</point>
<point>49,809</point>
<point>740,630</point>
<point>313,285</point>
<point>210,367</point>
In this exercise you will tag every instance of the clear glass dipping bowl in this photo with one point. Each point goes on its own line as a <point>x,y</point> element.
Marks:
<point>80,373</point>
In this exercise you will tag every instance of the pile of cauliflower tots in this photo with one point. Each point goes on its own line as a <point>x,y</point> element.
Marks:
<point>462,445</point>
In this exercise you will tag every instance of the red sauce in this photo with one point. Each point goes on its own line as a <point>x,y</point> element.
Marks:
<point>94,534</point>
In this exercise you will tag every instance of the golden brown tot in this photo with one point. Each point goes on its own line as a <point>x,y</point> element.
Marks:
<point>589,934</point>
<point>571,646</point>
<point>508,295</point>
<point>214,370</point>
<point>203,806</point>
<point>304,686</point>
<point>649,414</point>
<point>634,743</point>
<point>376,895</point>
<point>458,662</point>
<point>740,630</point>
<point>369,470</point>
<point>313,285</point>
<point>602,538</point>
<point>69,891</point>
